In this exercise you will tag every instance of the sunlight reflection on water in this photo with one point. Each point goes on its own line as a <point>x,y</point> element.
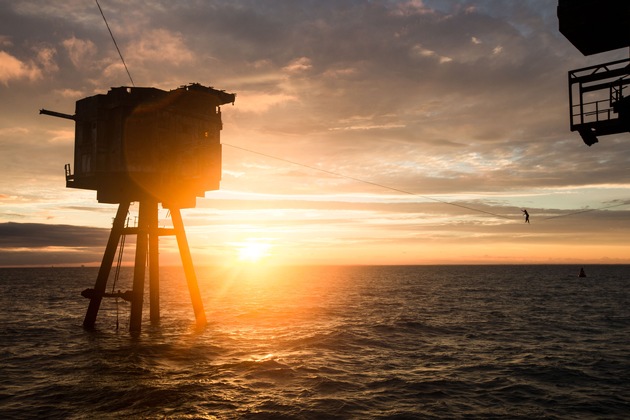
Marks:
<point>332,342</point>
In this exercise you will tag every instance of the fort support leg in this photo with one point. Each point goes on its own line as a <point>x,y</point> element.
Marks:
<point>189,270</point>
<point>154,263</point>
<point>106,265</point>
<point>135,318</point>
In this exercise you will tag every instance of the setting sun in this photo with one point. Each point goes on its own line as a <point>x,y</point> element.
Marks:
<point>252,250</point>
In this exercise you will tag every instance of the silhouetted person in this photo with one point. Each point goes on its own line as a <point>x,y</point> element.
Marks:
<point>526,216</point>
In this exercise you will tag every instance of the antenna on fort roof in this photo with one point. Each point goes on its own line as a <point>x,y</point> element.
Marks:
<point>115,44</point>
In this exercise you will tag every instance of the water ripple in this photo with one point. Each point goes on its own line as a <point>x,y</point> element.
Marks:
<point>330,342</point>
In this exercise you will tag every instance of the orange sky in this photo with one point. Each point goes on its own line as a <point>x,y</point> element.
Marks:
<point>433,123</point>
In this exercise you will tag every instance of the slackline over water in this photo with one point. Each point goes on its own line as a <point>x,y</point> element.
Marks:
<point>412,193</point>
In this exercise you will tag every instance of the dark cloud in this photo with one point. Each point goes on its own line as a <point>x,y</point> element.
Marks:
<point>33,257</point>
<point>38,235</point>
<point>29,244</point>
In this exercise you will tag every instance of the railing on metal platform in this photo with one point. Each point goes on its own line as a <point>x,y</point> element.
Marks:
<point>599,100</point>
<point>594,91</point>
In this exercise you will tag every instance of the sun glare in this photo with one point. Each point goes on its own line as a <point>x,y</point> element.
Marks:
<point>253,251</point>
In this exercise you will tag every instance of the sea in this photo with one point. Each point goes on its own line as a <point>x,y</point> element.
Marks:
<point>313,342</point>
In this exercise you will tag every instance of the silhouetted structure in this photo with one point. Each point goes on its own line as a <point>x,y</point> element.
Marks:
<point>150,146</point>
<point>598,95</point>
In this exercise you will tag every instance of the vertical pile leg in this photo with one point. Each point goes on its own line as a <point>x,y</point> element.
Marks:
<point>189,269</point>
<point>135,318</point>
<point>106,265</point>
<point>154,264</point>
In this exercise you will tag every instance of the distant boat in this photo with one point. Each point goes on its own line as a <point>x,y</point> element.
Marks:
<point>582,273</point>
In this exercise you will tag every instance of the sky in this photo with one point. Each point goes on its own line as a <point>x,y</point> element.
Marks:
<point>363,132</point>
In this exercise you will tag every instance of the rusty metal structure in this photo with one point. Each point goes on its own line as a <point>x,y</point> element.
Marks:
<point>599,95</point>
<point>149,146</point>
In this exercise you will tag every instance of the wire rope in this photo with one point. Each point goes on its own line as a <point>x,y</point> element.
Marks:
<point>367,182</point>
<point>585,211</point>
<point>409,192</point>
<point>115,43</point>
<point>121,249</point>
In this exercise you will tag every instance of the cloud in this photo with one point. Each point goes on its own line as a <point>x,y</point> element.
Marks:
<point>298,65</point>
<point>160,46</point>
<point>12,68</point>
<point>46,59</point>
<point>5,41</point>
<point>37,235</point>
<point>70,93</point>
<point>62,136</point>
<point>410,8</point>
<point>56,257</point>
<point>81,52</point>
<point>13,131</point>
<point>260,102</point>
<point>420,51</point>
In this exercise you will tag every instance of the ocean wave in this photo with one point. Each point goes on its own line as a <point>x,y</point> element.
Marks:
<point>377,342</point>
